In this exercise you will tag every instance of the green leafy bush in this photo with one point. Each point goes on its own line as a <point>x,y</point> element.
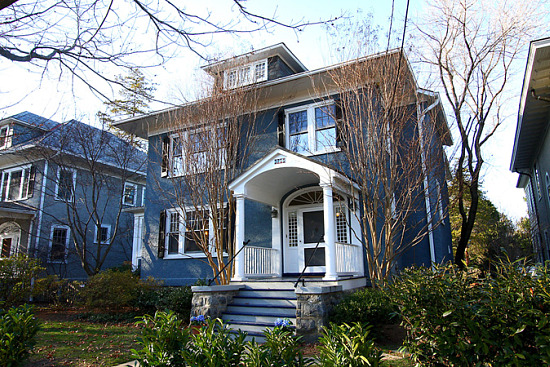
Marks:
<point>114,289</point>
<point>18,328</point>
<point>163,338</point>
<point>348,345</point>
<point>281,348</point>
<point>177,299</point>
<point>16,274</point>
<point>454,318</point>
<point>215,346</point>
<point>370,306</point>
<point>58,292</point>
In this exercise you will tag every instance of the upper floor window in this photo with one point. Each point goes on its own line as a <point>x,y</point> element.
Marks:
<point>186,230</point>
<point>59,242</point>
<point>66,184</point>
<point>130,194</point>
<point>197,150</point>
<point>103,234</point>
<point>246,74</point>
<point>17,183</point>
<point>311,129</point>
<point>5,137</point>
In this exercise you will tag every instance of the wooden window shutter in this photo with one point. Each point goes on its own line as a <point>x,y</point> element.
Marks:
<point>165,156</point>
<point>339,117</point>
<point>162,234</point>
<point>281,129</point>
<point>30,187</point>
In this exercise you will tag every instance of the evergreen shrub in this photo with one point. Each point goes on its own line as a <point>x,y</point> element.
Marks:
<point>455,318</point>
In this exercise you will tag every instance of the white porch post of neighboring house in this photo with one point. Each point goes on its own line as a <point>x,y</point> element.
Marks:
<point>330,238</point>
<point>239,238</point>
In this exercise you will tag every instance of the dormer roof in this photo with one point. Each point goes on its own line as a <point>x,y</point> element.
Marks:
<point>279,49</point>
<point>30,119</point>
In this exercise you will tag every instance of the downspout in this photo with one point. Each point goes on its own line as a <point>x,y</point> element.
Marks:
<point>41,206</point>
<point>421,115</point>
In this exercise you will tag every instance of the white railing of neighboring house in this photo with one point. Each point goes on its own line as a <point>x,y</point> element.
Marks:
<point>260,261</point>
<point>347,258</point>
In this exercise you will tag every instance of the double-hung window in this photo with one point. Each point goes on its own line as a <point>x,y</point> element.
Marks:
<point>103,234</point>
<point>198,150</point>
<point>17,183</point>
<point>66,184</point>
<point>312,128</point>
<point>59,242</point>
<point>246,74</point>
<point>5,137</point>
<point>130,194</point>
<point>187,230</point>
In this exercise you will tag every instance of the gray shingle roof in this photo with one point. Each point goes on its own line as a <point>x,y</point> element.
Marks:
<point>34,120</point>
<point>80,139</point>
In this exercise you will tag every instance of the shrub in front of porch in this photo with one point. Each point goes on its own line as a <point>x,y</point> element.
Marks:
<point>18,328</point>
<point>455,318</point>
<point>368,306</point>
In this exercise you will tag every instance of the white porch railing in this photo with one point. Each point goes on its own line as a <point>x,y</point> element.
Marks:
<point>259,261</point>
<point>347,258</point>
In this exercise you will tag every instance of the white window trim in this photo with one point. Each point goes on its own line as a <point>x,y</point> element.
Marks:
<point>96,239</point>
<point>181,243</point>
<point>54,227</point>
<point>312,142</point>
<point>250,79</point>
<point>135,187</point>
<point>57,183</point>
<point>9,171</point>
<point>8,139</point>
<point>184,135</point>
<point>143,196</point>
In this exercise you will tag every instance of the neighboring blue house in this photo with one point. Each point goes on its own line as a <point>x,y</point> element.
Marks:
<point>286,197</point>
<point>64,189</point>
<point>531,153</point>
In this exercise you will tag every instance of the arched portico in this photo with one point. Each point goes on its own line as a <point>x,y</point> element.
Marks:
<point>270,179</point>
<point>10,237</point>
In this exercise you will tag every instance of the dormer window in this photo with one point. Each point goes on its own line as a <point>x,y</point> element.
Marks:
<point>5,138</point>
<point>246,74</point>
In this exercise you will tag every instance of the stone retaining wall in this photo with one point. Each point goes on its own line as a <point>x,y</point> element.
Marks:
<point>212,301</point>
<point>314,305</point>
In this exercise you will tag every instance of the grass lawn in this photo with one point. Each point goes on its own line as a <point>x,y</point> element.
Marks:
<point>83,344</point>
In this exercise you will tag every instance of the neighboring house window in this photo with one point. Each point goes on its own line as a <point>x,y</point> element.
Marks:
<point>198,150</point>
<point>103,234</point>
<point>183,231</point>
<point>5,137</point>
<point>311,129</point>
<point>130,193</point>
<point>66,181</point>
<point>246,74</point>
<point>17,183</point>
<point>59,242</point>
<point>537,182</point>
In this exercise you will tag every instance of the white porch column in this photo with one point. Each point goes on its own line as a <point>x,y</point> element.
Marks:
<point>330,233</point>
<point>239,238</point>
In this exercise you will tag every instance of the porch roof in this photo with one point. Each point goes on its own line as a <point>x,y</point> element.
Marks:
<point>280,171</point>
<point>16,211</point>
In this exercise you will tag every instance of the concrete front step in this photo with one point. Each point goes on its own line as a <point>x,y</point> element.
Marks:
<point>274,302</point>
<point>262,311</point>
<point>267,293</point>
<point>257,319</point>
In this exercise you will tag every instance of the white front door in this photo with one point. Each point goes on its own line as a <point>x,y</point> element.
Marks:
<point>304,228</point>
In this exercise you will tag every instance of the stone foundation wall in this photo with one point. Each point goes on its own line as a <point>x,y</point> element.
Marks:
<point>212,301</point>
<point>314,305</point>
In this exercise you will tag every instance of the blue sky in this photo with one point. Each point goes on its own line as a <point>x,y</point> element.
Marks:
<point>26,87</point>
